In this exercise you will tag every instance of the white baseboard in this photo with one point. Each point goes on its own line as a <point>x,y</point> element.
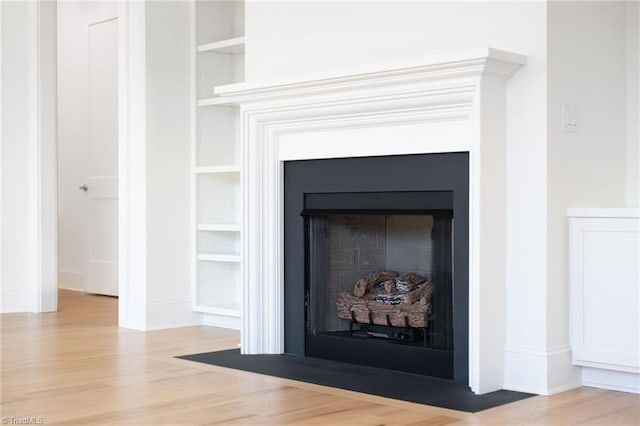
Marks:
<point>14,299</point>
<point>609,379</point>
<point>540,371</point>
<point>71,289</point>
<point>562,374</point>
<point>223,321</point>
<point>525,370</point>
<point>71,279</point>
<point>171,314</point>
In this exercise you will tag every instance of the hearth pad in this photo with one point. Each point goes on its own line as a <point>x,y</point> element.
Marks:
<point>374,381</point>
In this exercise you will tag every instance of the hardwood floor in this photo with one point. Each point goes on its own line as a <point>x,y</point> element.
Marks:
<point>77,367</point>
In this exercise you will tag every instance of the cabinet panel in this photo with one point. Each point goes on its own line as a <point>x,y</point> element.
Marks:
<point>604,285</point>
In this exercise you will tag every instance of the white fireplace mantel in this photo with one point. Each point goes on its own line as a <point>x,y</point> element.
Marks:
<point>448,103</point>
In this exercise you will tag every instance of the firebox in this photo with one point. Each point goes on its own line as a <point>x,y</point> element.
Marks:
<point>376,262</point>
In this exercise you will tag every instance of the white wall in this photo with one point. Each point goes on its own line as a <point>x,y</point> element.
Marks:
<point>73,134</point>
<point>155,131</point>
<point>587,68</point>
<point>633,104</point>
<point>17,168</point>
<point>285,38</point>
<point>28,141</point>
<point>168,114</point>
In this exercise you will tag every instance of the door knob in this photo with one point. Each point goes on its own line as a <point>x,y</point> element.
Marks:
<point>84,187</point>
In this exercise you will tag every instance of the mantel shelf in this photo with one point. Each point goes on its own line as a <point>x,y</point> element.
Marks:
<point>232,45</point>
<point>478,62</point>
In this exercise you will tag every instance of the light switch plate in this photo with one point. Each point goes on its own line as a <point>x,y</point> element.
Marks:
<point>570,118</point>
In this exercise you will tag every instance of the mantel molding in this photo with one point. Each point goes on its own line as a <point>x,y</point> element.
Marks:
<point>399,75</point>
<point>450,103</point>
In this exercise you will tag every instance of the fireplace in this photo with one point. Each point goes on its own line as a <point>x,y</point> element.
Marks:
<point>375,270</point>
<point>450,104</point>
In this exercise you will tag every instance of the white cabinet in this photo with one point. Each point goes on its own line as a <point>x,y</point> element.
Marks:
<point>605,296</point>
<point>217,208</point>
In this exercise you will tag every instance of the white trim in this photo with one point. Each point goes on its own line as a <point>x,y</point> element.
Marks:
<point>466,87</point>
<point>33,282</point>
<point>79,290</point>
<point>194,227</point>
<point>603,212</point>
<point>42,187</point>
<point>14,299</point>
<point>427,135</point>
<point>607,366</point>
<point>539,352</point>
<point>71,279</point>
<point>171,314</point>
<point>487,60</point>
<point>614,380</point>
<point>553,390</point>
<point>223,321</point>
<point>540,370</point>
<point>1,175</point>
<point>132,251</point>
<point>218,310</point>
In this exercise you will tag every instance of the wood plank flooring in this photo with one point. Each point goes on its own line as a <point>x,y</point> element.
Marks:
<point>76,367</point>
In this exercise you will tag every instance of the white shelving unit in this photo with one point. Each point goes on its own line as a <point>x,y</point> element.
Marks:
<point>216,173</point>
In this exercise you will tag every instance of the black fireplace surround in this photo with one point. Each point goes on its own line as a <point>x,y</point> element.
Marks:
<point>425,185</point>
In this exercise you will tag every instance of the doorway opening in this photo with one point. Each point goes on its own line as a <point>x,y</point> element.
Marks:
<point>87,77</point>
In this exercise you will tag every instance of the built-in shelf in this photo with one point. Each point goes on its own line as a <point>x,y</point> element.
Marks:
<point>214,101</point>
<point>232,45</point>
<point>217,169</point>
<point>217,59</point>
<point>219,257</point>
<point>222,227</point>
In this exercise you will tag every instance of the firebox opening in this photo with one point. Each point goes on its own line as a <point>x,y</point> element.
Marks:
<point>378,270</point>
<point>381,277</point>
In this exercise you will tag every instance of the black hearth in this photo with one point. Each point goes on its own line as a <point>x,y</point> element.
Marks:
<point>354,219</point>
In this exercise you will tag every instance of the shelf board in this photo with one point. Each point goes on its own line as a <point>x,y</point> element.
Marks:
<point>223,227</point>
<point>214,101</point>
<point>233,258</point>
<point>229,310</point>
<point>217,169</point>
<point>232,45</point>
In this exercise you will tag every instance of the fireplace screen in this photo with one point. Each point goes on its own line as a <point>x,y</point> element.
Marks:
<point>381,276</point>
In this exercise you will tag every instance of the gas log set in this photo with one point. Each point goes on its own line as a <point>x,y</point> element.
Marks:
<point>388,305</point>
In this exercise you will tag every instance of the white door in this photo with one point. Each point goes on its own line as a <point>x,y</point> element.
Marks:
<point>102,184</point>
